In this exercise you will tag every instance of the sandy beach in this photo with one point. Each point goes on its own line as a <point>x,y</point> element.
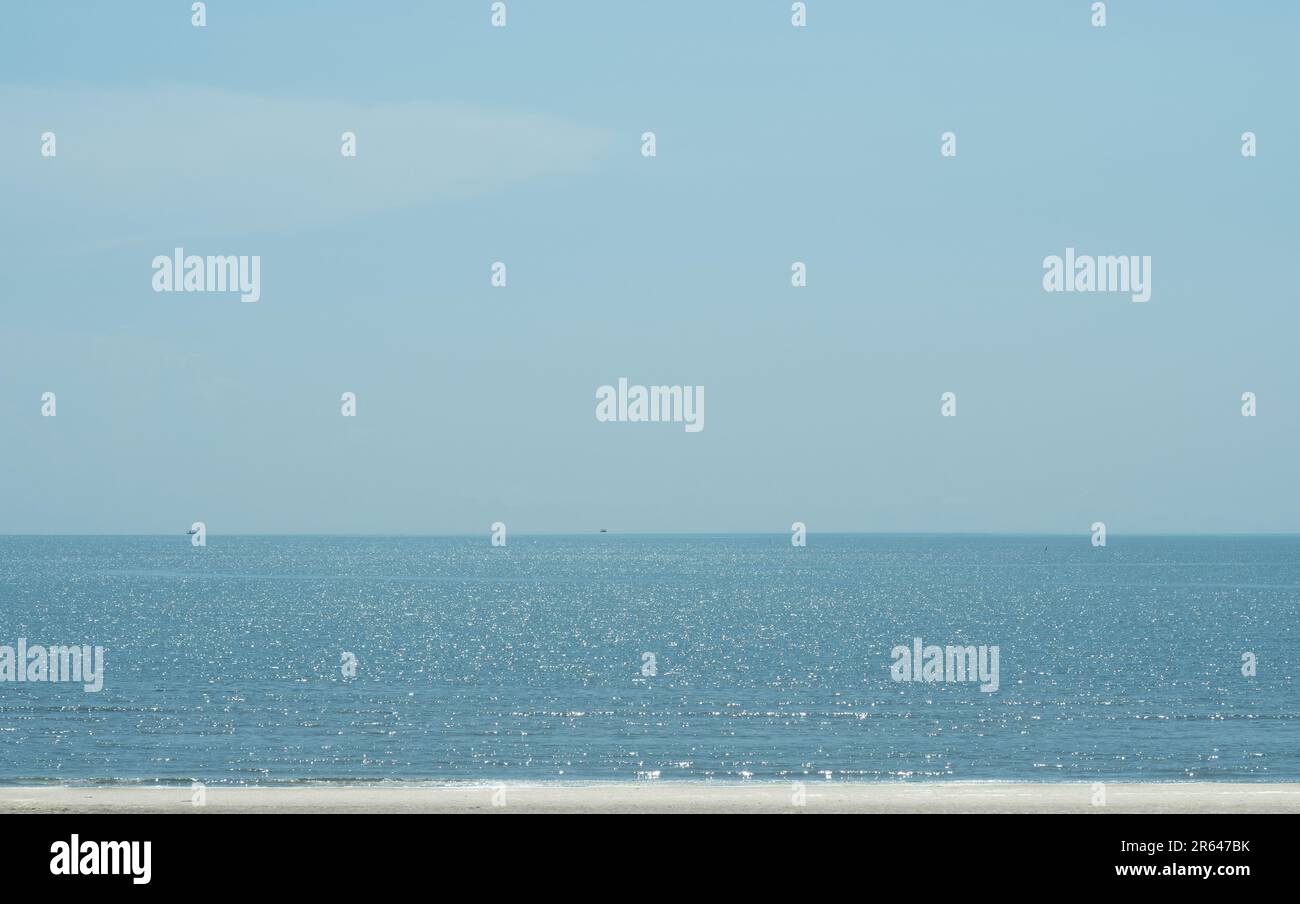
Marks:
<point>665,797</point>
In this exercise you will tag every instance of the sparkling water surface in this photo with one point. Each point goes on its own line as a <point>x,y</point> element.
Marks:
<point>477,663</point>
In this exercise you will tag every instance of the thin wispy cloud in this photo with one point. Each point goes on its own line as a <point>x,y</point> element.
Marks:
<point>199,158</point>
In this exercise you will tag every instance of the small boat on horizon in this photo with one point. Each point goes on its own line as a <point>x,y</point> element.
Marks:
<point>191,532</point>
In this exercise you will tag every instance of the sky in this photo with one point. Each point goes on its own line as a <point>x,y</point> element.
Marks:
<point>774,144</point>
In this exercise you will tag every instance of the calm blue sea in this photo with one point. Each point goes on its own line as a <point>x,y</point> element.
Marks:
<point>223,664</point>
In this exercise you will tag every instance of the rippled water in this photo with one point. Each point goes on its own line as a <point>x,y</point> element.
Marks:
<point>524,662</point>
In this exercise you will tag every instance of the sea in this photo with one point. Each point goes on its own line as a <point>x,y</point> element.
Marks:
<point>292,659</point>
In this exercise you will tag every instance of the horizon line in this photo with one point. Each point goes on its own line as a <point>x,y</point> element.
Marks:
<point>653,533</point>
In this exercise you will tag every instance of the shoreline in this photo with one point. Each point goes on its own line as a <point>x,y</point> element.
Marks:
<point>664,797</point>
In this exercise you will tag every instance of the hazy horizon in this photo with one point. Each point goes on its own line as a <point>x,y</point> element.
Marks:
<point>465,535</point>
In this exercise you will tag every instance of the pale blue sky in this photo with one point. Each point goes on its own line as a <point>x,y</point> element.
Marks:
<point>775,144</point>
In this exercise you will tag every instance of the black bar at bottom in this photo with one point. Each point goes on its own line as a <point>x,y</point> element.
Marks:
<point>368,854</point>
